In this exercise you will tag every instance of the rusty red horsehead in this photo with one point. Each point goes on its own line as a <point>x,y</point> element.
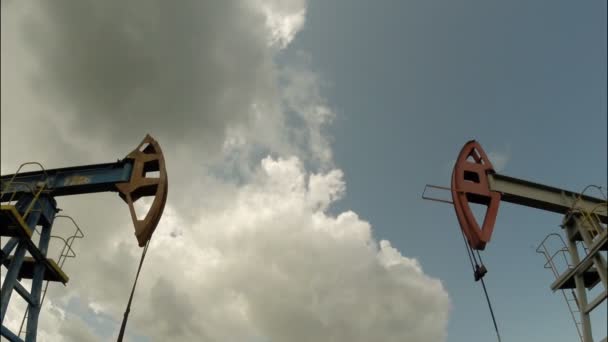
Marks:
<point>470,185</point>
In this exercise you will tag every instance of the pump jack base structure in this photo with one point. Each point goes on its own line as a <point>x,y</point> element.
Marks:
<point>29,207</point>
<point>474,180</point>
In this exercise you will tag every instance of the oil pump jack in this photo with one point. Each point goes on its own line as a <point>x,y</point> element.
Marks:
<point>474,180</point>
<point>29,206</point>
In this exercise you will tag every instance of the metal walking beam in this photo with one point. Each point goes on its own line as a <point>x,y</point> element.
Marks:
<point>474,180</point>
<point>130,177</point>
<point>28,202</point>
<point>545,197</point>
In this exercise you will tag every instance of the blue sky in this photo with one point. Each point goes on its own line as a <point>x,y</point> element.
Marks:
<point>412,81</point>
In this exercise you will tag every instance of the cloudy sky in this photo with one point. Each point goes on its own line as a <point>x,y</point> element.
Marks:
<point>298,138</point>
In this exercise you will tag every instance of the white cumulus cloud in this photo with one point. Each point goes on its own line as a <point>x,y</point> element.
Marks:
<point>247,249</point>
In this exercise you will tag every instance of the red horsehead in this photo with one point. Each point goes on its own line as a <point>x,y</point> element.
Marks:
<point>470,184</point>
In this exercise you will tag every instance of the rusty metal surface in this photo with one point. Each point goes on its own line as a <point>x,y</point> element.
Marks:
<point>470,185</point>
<point>147,157</point>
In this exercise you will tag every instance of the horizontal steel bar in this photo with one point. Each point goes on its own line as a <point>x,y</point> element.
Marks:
<point>38,256</point>
<point>24,293</point>
<point>8,248</point>
<point>545,197</point>
<point>597,301</point>
<point>424,196</point>
<point>9,334</point>
<point>70,180</point>
<point>584,264</point>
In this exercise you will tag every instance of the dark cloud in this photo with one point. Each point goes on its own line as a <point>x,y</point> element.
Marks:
<point>120,69</point>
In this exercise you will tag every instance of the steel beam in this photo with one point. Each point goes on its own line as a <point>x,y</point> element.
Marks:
<point>545,197</point>
<point>581,292</point>
<point>39,253</point>
<point>9,335</point>
<point>597,301</point>
<point>37,279</point>
<point>13,271</point>
<point>582,265</point>
<point>24,294</point>
<point>70,180</point>
<point>8,248</point>
<point>594,247</point>
<point>10,279</point>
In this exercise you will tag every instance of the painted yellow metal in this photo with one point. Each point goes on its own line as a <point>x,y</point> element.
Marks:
<point>12,222</point>
<point>63,277</point>
<point>12,180</point>
<point>53,272</point>
<point>31,205</point>
<point>147,157</point>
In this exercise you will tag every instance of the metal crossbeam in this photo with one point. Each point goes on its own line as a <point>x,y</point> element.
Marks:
<point>10,335</point>
<point>597,301</point>
<point>583,265</point>
<point>24,294</point>
<point>70,180</point>
<point>39,254</point>
<point>545,197</point>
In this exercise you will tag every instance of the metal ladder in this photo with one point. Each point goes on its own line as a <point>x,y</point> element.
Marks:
<point>569,296</point>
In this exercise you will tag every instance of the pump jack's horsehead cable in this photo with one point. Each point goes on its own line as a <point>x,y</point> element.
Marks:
<point>475,237</point>
<point>147,157</point>
<point>130,177</point>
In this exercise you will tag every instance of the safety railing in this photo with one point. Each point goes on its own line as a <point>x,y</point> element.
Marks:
<point>550,257</point>
<point>569,296</point>
<point>591,218</point>
<point>66,252</point>
<point>12,180</point>
<point>36,192</point>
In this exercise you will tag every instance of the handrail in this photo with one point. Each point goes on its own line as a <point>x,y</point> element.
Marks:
<point>555,272</point>
<point>591,217</point>
<point>24,164</point>
<point>35,194</point>
<point>65,243</point>
<point>550,259</point>
<point>31,205</point>
<point>563,250</point>
<point>599,188</point>
<point>78,234</point>
<point>433,198</point>
<point>28,185</point>
<point>546,237</point>
<point>587,215</point>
